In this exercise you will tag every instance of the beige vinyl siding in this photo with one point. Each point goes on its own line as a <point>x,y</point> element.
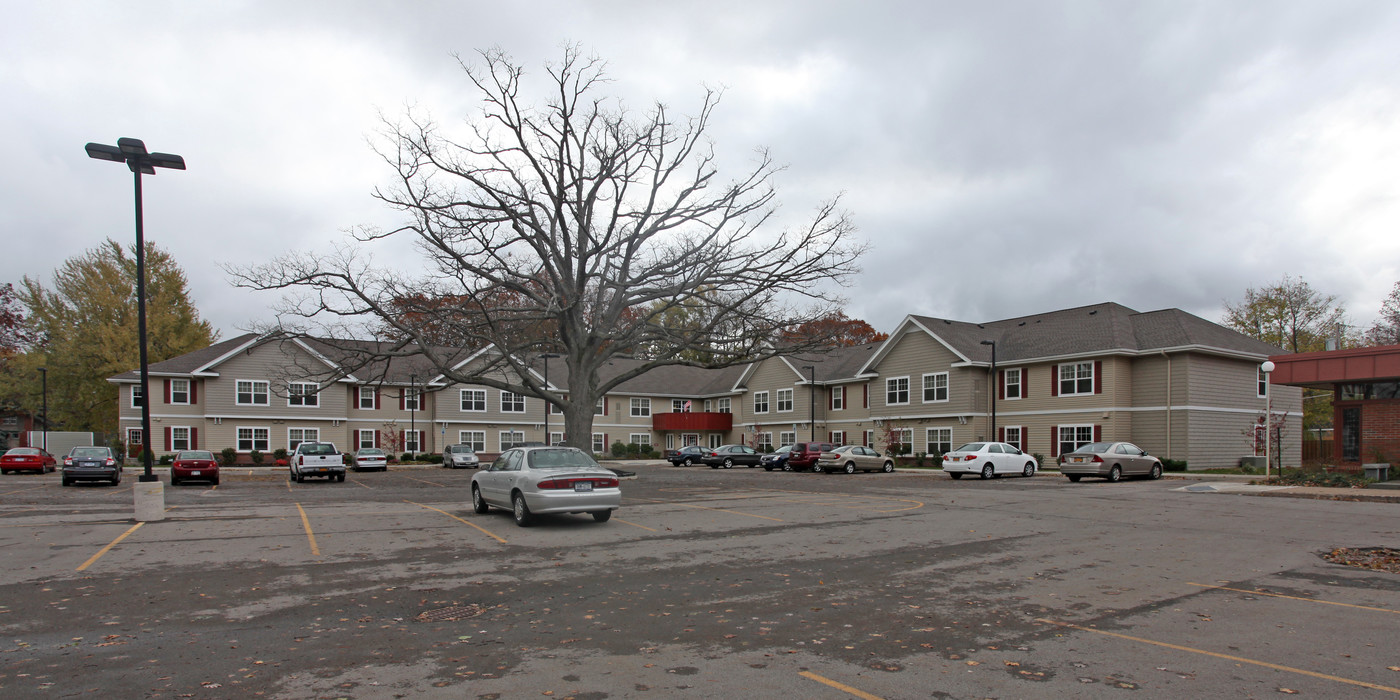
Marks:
<point>276,364</point>
<point>770,376</point>
<point>914,355</point>
<point>1220,437</point>
<point>1149,397</point>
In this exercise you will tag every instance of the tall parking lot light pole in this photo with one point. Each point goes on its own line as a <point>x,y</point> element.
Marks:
<point>812,400</point>
<point>547,356</point>
<point>413,414</point>
<point>44,380</point>
<point>992,390</point>
<point>133,153</point>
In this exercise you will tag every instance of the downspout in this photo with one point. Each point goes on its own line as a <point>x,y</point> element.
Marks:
<point>1169,403</point>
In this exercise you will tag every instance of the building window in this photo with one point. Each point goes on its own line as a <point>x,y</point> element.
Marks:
<point>722,406</point>
<point>180,439</point>
<point>641,407</point>
<point>716,439</point>
<point>938,440</point>
<point>678,405</point>
<point>367,396</point>
<point>302,394</point>
<point>763,442</point>
<point>1263,383</point>
<point>413,441</point>
<point>133,437</point>
<point>511,438</point>
<point>473,400</point>
<point>364,439</point>
<point>1012,383</point>
<point>1073,437</point>
<point>296,436</point>
<point>1076,378</point>
<point>250,439</point>
<point>512,403</point>
<point>935,387</point>
<point>475,439</point>
<point>838,437</point>
<point>838,398</point>
<point>760,402</point>
<point>556,439</point>
<point>708,405</point>
<point>1012,435</point>
<point>250,393</point>
<point>785,400</point>
<point>897,391</point>
<point>900,441</point>
<point>599,443</point>
<point>412,399</point>
<point>640,439</point>
<point>869,438</point>
<point>786,438</point>
<point>138,396</point>
<point>598,408</point>
<point>180,392</point>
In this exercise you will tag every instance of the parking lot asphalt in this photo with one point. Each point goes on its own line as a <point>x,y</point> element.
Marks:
<point>707,583</point>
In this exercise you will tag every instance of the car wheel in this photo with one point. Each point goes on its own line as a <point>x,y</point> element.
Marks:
<point>688,462</point>
<point>479,503</point>
<point>728,463</point>
<point>850,467</point>
<point>1156,472</point>
<point>67,482</point>
<point>787,467</point>
<point>215,482</point>
<point>340,478</point>
<point>768,469</point>
<point>987,471</point>
<point>174,481</point>
<point>4,471</point>
<point>521,510</point>
<point>1029,470</point>
<point>816,468</point>
<point>602,516</point>
<point>1115,474</point>
<point>888,468</point>
<point>1074,478</point>
<point>955,475</point>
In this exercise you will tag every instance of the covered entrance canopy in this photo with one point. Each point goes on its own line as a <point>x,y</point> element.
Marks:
<point>1366,397</point>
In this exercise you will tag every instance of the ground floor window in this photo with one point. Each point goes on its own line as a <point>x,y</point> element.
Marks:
<point>1073,437</point>
<point>763,442</point>
<point>940,440</point>
<point>1012,434</point>
<point>901,440</point>
<point>716,439</point>
<point>556,438</point>
<point>253,439</point>
<point>599,443</point>
<point>180,439</point>
<point>642,439</point>
<point>689,439</point>
<point>787,438</point>
<point>838,437</point>
<point>133,437</point>
<point>475,439</point>
<point>296,436</point>
<point>413,441</point>
<point>511,438</point>
<point>869,438</point>
<point>364,439</point>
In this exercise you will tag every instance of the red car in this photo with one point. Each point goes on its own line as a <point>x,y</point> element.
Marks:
<point>194,464</point>
<point>27,459</point>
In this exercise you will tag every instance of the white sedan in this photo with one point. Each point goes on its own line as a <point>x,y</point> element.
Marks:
<point>988,459</point>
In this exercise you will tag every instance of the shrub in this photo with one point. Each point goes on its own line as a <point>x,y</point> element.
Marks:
<point>228,455</point>
<point>619,450</point>
<point>1174,465</point>
<point>166,460</point>
<point>1299,477</point>
<point>256,456</point>
<point>406,457</point>
<point>433,459</point>
<point>280,455</point>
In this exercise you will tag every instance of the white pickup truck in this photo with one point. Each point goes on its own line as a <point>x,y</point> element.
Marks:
<point>317,459</point>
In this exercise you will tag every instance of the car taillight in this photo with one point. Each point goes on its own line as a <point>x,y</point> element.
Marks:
<point>67,461</point>
<point>1098,459</point>
<point>969,458</point>
<point>111,461</point>
<point>566,484</point>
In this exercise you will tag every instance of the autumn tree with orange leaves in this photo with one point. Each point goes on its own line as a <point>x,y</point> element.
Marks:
<point>836,330</point>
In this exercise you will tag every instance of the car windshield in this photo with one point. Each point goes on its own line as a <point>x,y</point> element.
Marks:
<point>372,452</point>
<point>784,449</point>
<point>317,448</point>
<point>843,449</point>
<point>1095,447</point>
<point>462,450</point>
<point>971,447</point>
<point>561,459</point>
<point>23,451</point>
<point>196,454</point>
<point>89,452</point>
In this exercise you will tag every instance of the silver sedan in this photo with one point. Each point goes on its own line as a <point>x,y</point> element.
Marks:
<point>853,458</point>
<point>533,481</point>
<point>1110,460</point>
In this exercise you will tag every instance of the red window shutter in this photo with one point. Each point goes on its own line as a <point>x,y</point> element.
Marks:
<point>865,402</point>
<point>194,391</point>
<point>605,409</point>
<point>194,437</point>
<point>1098,433</point>
<point>401,398</point>
<point>1098,378</point>
<point>376,399</point>
<point>606,443</point>
<point>1001,386</point>
<point>1024,440</point>
<point>1001,434</point>
<point>376,434</point>
<point>1054,441</point>
<point>167,391</point>
<point>1025,383</point>
<point>167,437</point>
<point>831,399</point>
<point>1055,381</point>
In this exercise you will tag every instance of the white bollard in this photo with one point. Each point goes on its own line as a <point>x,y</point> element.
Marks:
<point>150,501</point>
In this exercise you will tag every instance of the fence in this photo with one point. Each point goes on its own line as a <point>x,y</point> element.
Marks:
<point>1317,450</point>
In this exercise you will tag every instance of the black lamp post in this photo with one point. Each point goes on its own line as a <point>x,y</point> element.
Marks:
<point>413,414</point>
<point>812,401</point>
<point>44,381</point>
<point>547,356</point>
<point>993,391</point>
<point>133,153</point>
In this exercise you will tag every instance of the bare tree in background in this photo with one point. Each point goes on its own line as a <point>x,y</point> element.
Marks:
<point>579,217</point>
<point>1386,329</point>
<point>1289,314</point>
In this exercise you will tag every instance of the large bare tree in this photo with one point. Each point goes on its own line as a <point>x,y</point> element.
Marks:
<point>572,214</point>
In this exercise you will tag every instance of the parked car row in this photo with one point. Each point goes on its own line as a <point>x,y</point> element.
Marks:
<point>802,456</point>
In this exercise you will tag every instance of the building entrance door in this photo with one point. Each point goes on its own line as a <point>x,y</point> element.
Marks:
<point>1351,434</point>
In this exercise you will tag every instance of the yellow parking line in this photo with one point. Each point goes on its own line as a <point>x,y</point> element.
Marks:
<point>721,510</point>
<point>498,538</point>
<point>91,560</point>
<point>359,483</point>
<point>310,536</point>
<point>1228,657</point>
<point>1290,597</point>
<point>644,527</point>
<point>434,483</point>
<point>840,686</point>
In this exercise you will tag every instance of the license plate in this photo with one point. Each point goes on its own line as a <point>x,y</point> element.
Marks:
<point>1077,460</point>
<point>194,473</point>
<point>583,486</point>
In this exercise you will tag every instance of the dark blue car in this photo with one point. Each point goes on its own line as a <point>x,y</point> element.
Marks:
<point>777,460</point>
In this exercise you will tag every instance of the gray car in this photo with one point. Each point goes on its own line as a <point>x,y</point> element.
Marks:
<point>460,456</point>
<point>91,464</point>
<point>1110,460</point>
<point>853,458</point>
<point>534,481</point>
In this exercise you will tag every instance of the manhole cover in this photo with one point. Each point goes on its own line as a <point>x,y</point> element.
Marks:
<point>451,614</point>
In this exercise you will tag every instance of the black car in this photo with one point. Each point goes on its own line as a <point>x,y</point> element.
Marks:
<point>729,455</point>
<point>777,460</point>
<point>687,456</point>
<point>91,464</point>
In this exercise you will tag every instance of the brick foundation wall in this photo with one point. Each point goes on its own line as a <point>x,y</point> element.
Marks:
<point>1380,430</point>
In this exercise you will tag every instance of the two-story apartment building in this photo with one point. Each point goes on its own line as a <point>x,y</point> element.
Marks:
<point>1178,385</point>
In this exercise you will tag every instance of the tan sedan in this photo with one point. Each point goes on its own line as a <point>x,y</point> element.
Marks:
<point>853,458</point>
<point>1110,460</point>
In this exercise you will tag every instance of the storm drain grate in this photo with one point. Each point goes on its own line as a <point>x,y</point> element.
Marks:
<point>451,614</point>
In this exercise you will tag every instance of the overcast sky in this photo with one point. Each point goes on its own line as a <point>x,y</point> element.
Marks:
<point>1001,158</point>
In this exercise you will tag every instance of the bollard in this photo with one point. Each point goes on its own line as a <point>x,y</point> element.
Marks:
<point>150,501</point>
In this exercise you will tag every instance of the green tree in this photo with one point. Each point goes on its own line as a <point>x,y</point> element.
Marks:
<point>1289,314</point>
<point>1386,329</point>
<point>84,330</point>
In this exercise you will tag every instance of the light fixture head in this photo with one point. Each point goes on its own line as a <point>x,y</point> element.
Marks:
<point>1267,367</point>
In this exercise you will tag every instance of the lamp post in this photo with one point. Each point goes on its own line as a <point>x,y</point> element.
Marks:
<point>1267,368</point>
<point>133,153</point>
<point>547,356</point>
<point>992,392</point>
<point>812,400</point>
<point>44,381</point>
<point>413,414</point>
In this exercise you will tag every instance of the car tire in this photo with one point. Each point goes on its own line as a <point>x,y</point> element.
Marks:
<point>602,516</point>
<point>888,467</point>
<point>956,475</point>
<point>988,472</point>
<point>1029,471</point>
<point>479,503</point>
<point>174,481</point>
<point>215,482</point>
<point>1156,472</point>
<point>728,463</point>
<point>816,468</point>
<point>521,510</point>
<point>1074,478</point>
<point>688,463</point>
<point>768,469</point>
<point>117,480</point>
<point>1115,474</point>
<point>66,482</point>
<point>850,467</point>
<point>340,478</point>
<point>787,467</point>
<point>4,471</point>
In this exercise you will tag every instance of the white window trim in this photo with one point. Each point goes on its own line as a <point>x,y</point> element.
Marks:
<point>1020,384</point>
<point>134,431</point>
<point>787,438</point>
<point>639,407</point>
<point>907,390</point>
<point>360,439</point>
<point>417,435</point>
<point>317,431</point>
<point>254,439</point>
<point>1060,431</point>
<point>1020,434</point>
<point>315,395</point>
<point>523,405</point>
<point>266,392</point>
<point>174,391</point>
<point>413,399</point>
<point>135,390</point>
<point>1263,384</point>
<point>838,437</point>
<point>599,439</point>
<point>929,440</point>
<point>947,387</point>
<point>838,398</point>
<point>722,406</point>
<point>465,437</point>
<point>173,438</point>
<point>462,400</point>
<point>766,404</point>
<point>1060,382</point>
<point>502,435</point>
<point>639,439</point>
<point>778,400</point>
<point>361,397</point>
